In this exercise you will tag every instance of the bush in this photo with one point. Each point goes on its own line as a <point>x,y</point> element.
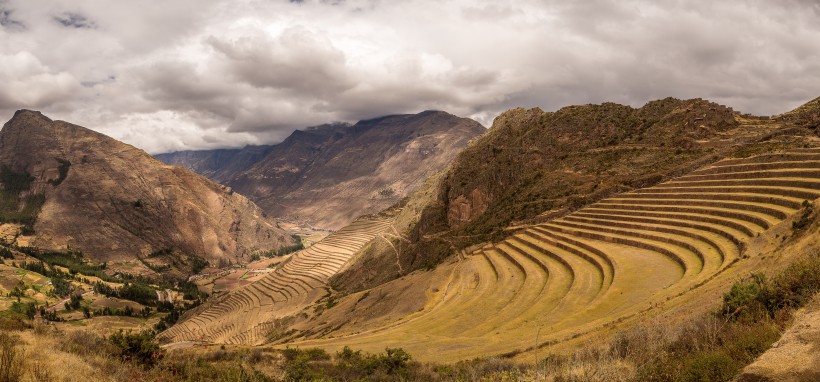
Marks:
<point>741,300</point>
<point>790,289</point>
<point>139,347</point>
<point>12,358</point>
<point>349,365</point>
<point>710,366</point>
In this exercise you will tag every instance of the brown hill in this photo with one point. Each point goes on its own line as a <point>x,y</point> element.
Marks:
<point>116,203</point>
<point>327,175</point>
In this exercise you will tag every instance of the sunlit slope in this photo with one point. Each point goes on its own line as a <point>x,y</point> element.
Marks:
<point>247,315</point>
<point>611,260</point>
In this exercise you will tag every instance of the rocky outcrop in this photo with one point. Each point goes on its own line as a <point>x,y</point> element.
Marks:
<point>118,204</point>
<point>465,208</point>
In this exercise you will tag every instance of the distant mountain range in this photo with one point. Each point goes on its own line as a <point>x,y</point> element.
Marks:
<point>326,176</point>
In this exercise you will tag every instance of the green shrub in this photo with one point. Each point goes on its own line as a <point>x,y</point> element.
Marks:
<point>712,366</point>
<point>63,172</point>
<point>140,347</point>
<point>742,299</point>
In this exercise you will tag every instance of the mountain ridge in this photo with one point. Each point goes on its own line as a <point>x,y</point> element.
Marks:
<point>116,203</point>
<point>329,174</point>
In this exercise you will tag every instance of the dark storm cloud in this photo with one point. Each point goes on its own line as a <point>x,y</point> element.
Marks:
<point>74,20</point>
<point>7,20</point>
<point>190,74</point>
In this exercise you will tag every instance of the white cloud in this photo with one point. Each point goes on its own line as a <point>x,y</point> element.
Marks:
<point>190,74</point>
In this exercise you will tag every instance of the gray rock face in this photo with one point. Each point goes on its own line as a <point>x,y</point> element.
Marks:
<point>115,202</point>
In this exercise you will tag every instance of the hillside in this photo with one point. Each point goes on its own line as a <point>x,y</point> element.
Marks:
<point>256,313</point>
<point>533,165</point>
<point>643,235</point>
<point>80,190</point>
<point>220,165</point>
<point>326,176</point>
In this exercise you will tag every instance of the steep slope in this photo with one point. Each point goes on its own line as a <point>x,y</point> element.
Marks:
<point>219,165</point>
<point>327,175</point>
<point>117,204</point>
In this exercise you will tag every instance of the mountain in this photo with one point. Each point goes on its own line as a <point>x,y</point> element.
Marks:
<point>219,165</point>
<point>533,165</point>
<point>328,175</point>
<point>84,191</point>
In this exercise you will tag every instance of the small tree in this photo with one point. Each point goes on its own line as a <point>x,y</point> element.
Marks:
<point>139,347</point>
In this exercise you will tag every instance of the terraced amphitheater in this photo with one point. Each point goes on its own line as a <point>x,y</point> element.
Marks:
<point>603,263</point>
<point>247,315</point>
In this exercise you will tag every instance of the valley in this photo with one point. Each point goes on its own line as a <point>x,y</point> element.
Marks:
<point>627,233</point>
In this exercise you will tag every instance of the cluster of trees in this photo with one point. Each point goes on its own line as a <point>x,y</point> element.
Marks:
<point>284,250</point>
<point>74,302</point>
<point>134,291</point>
<point>125,312</point>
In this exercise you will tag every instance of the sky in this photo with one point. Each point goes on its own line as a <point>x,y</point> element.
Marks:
<point>194,74</point>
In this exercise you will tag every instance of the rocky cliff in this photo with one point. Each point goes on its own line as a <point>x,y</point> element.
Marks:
<point>85,191</point>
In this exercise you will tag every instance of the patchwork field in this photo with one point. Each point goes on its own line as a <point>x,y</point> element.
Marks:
<point>248,315</point>
<point>593,267</point>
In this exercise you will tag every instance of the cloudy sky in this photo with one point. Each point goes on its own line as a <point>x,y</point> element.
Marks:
<point>194,74</point>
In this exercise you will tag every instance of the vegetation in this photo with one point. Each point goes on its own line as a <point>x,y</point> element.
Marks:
<point>197,264</point>
<point>286,250</point>
<point>72,260</point>
<point>139,347</point>
<point>14,184</point>
<point>63,172</point>
<point>12,358</point>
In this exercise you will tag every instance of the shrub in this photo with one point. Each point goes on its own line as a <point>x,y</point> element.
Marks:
<point>710,366</point>
<point>63,172</point>
<point>140,347</point>
<point>741,300</point>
